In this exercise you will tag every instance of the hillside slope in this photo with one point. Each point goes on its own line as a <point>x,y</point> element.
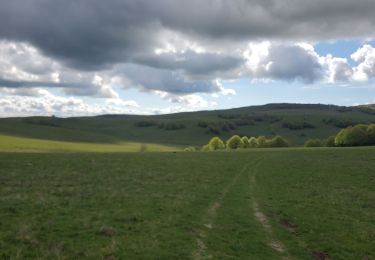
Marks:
<point>297,122</point>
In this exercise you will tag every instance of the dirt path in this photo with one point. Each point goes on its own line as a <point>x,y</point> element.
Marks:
<point>273,243</point>
<point>209,218</point>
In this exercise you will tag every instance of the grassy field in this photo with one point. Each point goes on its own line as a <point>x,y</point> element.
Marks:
<point>20,144</point>
<point>260,204</point>
<point>296,122</point>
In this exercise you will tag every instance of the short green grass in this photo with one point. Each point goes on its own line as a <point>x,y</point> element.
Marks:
<point>188,205</point>
<point>20,144</point>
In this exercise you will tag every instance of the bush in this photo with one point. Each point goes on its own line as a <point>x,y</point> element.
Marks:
<point>235,142</point>
<point>340,123</point>
<point>143,148</point>
<point>171,126</point>
<point>217,127</point>
<point>352,136</point>
<point>145,123</point>
<point>313,143</point>
<point>330,141</point>
<point>245,141</point>
<point>253,143</point>
<point>216,144</point>
<point>297,125</point>
<point>278,141</point>
<point>205,148</point>
<point>262,141</point>
<point>371,133</point>
<point>190,149</point>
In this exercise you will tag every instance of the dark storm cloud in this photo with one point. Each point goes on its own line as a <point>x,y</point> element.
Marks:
<point>71,88</point>
<point>148,78</point>
<point>192,63</point>
<point>92,34</point>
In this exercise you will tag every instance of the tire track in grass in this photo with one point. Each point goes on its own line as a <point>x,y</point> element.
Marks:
<point>273,243</point>
<point>210,215</point>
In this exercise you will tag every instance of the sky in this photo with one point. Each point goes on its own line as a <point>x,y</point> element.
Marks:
<point>90,57</point>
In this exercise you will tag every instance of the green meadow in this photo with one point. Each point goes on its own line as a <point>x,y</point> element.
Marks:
<point>286,203</point>
<point>21,144</point>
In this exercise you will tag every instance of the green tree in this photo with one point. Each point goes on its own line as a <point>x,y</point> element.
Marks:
<point>216,144</point>
<point>262,141</point>
<point>205,148</point>
<point>278,141</point>
<point>330,141</point>
<point>246,143</point>
<point>352,136</point>
<point>253,143</point>
<point>371,134</point>
<point>235,142</point>
<point>313,143</point>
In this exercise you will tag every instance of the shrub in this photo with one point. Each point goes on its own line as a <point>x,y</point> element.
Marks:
<point>216,127</point>
<point>262,141</point>
<point>171,126</point>
<point>190,149</point>
<point>253,143</point>
<point>352,136</point>
<point>143,148</point>
<point>202,124</point>
<point>216,144</point>
<point>205,148</point>
<point>330,141</point>
<point>339,122</point>
<point>278,141</point>
<point>313,143</point>
<point>235,142</point>
<point>297,125</point>
<point>245,141</point>
<point>145,123</point>
<point>371,133</point>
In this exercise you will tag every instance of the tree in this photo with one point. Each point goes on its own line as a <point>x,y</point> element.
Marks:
<point>313,143</point>
<point>352,136</point>
<point>235,142</point>
<point>205,148</point>
<point>253,143</point>
<point>216,144</point>
<point>262,141</point>
<point>330,141</point>
<point>278,141</point>
<point>371,134</point>
<point>246,143</point>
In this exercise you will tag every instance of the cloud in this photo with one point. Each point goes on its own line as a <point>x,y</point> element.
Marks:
<point>365,56</point>
<point>23,66</point>
<point>284,62</point>
<point>48,104</point>
<point>194,64</point>
<point>175,82</point>
<point>182,48</point>
<point>339,70</point>
<point>191,101</point>
<point>95,34</point>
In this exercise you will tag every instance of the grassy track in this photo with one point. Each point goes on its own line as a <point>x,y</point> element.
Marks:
<point>261,204</point>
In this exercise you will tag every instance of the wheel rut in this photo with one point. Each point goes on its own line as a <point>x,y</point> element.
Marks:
<point>209,218</point>
<point>262,219</point>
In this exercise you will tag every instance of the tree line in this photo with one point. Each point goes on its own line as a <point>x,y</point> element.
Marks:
<point>244,142</point>
<point>357,135</point>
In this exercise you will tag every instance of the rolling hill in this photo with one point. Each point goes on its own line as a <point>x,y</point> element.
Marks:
<point>297,122</point>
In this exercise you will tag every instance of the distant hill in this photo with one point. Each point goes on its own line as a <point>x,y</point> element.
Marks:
<point>297,122</point>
